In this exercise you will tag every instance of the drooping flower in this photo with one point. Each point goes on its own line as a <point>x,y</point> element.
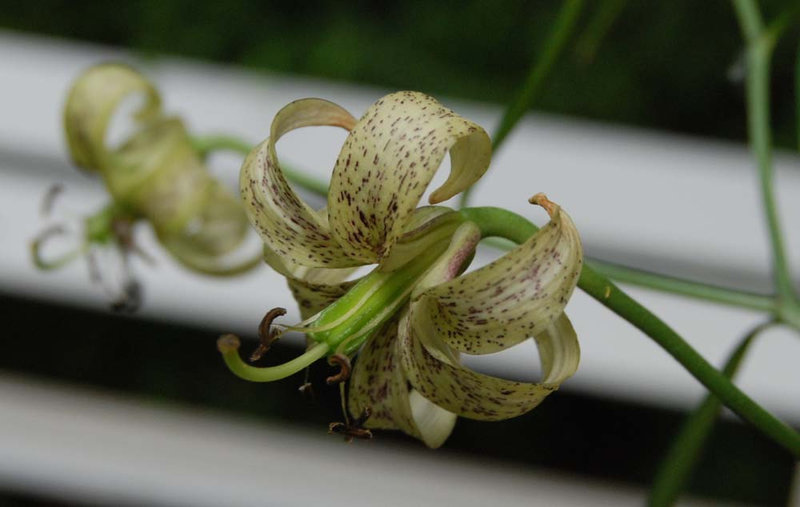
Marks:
<point>155,176</point>
<point>415,312</point>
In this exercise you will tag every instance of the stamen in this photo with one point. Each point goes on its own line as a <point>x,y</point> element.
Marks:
<point>343,362</point>
<point>122,231</point>
<point>50,198</point>
<point>131,298</point>
<point>354,430</point>
<point>266,334</point>
<point>228,345</point>
<point>307,390</point>
<point>38,243</point>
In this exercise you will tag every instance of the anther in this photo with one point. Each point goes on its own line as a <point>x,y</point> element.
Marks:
<point>307,390</point>
<point>131,298</point>
<point>50,199</point>
<point>354,430</point>
<point>266,334</point>
<point>343,362</point>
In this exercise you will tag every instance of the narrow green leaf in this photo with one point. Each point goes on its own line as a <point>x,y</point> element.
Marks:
<point>554,45</point>
<point>598,27</point>
<point>682,456</point>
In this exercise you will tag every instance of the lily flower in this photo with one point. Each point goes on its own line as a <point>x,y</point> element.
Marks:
<point>154,176</point>
<point>411,317</point>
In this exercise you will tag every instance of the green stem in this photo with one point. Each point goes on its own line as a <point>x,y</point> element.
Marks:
<point>760,43</point>
<point>682,457</point>
<point>206,144</point>
<point>509,225</point>
<point>669,284</point>
<point>557,39</point>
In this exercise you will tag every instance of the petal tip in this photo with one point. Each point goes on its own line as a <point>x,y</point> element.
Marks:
<point>541,199</point>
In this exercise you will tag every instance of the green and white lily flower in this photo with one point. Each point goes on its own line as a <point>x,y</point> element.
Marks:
<point>155,176</point>
<point>415,312</point>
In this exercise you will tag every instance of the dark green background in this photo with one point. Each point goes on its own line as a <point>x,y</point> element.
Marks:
<point>664,64</point>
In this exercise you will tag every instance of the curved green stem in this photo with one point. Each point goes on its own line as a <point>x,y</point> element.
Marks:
<point>557,39</point>
<point>206,144</point>
<point>228,346</point>
<point>760,43</point>
<point>670,284</point>
<point>685,450</point>
<point>509,225</point>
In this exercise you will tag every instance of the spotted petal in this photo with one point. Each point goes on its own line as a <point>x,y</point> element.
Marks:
<point>288,226</point>
<point>434,372</point>
<point>516,297</point>
<point>388,160</point>
<point>90,106</point>
<point>378,385</point>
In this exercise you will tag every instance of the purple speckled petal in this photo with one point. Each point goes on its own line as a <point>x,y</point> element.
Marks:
<point>433,370</point>
<point>515,297</point>
<point>387,162</point>
<point>378,384</point>
<point>287,225</point>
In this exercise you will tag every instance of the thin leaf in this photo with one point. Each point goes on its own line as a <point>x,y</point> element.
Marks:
<point>685,451</point>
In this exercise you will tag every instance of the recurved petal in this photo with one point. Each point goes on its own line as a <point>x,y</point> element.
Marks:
<point>427,226</point>
<point>314,289</point>
<point>387,162</point>
<point>378,385</point>
<point>516,297</point>
<point>559,351</point>
<point>211,241</point>
<point>286,224</point>
<point>457,389</point>
<point>90,106</point>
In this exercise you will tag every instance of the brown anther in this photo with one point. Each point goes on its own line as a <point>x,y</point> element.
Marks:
<point>266,334</point>
<point>307,390</point>
<point>343,362</point>
<point>50,198</point>
<point>353,430</point>
<point>123,232</point>
<point>131,298</point>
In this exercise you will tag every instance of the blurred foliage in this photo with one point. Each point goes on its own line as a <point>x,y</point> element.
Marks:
<point>672,65</point>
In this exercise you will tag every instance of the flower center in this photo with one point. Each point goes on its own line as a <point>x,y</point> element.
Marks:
<point>354,317</point>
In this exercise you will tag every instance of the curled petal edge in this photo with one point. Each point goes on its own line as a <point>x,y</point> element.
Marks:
<point>288,226</point>
<point>513,298</point>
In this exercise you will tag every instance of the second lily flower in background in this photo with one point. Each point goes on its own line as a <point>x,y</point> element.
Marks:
<point>415,312</point>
